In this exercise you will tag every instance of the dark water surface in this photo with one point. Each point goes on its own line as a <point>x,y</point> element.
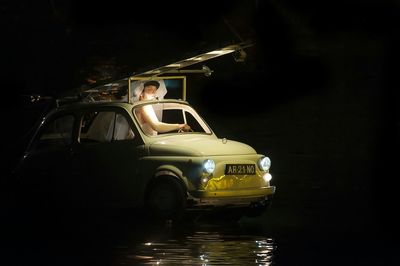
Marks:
<point>122,239</point>
<point>277,238</point>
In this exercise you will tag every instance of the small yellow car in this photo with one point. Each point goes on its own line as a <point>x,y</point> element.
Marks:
<point>96,152</point>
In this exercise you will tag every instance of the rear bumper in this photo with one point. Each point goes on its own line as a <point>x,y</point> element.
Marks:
<point>238,197</point>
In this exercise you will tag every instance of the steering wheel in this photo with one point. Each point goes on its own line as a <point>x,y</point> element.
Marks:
<point>181,130</point>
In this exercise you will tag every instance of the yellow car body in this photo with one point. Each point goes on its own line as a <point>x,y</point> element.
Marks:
<point>122,171</point>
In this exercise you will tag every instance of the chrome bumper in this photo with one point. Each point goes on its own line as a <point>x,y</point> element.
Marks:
<point>238,197</point>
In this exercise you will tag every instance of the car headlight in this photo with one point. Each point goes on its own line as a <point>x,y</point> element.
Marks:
<point>264,163</point>
<point>209,166</point>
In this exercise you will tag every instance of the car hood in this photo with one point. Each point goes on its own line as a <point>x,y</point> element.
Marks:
<point>198,146</point>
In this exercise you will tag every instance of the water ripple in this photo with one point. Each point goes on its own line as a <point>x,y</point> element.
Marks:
<point>200,248</point>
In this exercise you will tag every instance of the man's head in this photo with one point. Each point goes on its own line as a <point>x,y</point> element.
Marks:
<point>149,90</point>
<point>152,83</point>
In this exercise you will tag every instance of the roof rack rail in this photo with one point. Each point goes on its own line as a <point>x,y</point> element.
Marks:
<point>117,89</point>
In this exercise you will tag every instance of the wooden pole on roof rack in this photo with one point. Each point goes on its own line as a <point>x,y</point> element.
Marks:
<point>195,60</point>
<point>177,66</point>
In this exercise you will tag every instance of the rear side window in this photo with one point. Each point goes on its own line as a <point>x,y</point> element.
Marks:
<point>104,127</point>
<point>57,133</point>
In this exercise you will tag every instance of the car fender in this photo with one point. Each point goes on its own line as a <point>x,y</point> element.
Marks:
<point>171,170</point>
<point>168,171</point>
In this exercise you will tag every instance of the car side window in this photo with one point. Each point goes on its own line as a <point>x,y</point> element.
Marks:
<point>57,133</point>
<point>104,126</point>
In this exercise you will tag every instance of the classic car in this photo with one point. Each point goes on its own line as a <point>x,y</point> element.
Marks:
<point>95,151</point>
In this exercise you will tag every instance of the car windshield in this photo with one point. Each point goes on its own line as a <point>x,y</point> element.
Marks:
<point>166,116</point>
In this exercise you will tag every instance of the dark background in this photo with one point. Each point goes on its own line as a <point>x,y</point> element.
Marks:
<point>318,92</point>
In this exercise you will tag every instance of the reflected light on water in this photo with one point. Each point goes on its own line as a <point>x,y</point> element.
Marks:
<point>200,248</point>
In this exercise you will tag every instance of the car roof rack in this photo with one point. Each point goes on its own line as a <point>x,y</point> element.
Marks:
<point>120,90</point>
<point>176,68</point>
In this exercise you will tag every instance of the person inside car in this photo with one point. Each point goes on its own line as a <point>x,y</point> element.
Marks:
<point>147,116</point>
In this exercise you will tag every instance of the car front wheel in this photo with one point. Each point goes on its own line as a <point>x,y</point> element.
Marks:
<point>165,200</point>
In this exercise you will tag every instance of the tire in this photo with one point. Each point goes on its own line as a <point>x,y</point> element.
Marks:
<point>166,200</point>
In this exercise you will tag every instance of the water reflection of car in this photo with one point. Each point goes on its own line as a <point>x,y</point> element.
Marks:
<point>95,154</point>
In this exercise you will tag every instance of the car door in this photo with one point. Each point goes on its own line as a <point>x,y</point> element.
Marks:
<point>46,164</point>
<point>106,155</point>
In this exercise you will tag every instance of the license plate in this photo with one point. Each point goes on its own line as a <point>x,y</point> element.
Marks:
<point>240,169</point>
